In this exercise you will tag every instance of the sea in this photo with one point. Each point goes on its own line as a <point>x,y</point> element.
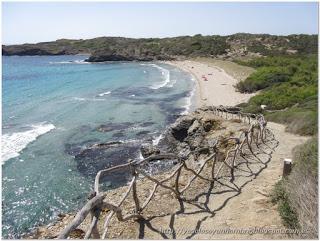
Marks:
<point>57,111</point>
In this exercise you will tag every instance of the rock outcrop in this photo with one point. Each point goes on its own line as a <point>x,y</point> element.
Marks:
<point>148,149</point>
<point>186,135</point>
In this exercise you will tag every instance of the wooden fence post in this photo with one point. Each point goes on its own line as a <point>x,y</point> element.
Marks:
<point>287,166</point>
<point>134,191</point>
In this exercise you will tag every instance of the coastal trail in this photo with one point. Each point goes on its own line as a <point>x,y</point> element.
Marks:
<point>245,210</point>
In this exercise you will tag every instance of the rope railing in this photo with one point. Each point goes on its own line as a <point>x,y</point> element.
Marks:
<point>248,140</point>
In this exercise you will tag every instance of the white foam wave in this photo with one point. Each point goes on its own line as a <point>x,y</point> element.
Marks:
<point>188,101</point>
<point>87,99</point>
<point>82,61</point>
<point>157,140</point>
<point>79,98</point>
<point>172,83</point>
<point>13,144</point>
<point>105,93</point>
<point>140,157</point>
<point>165,75</point>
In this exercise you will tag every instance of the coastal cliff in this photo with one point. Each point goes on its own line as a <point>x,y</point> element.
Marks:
<point>148,49</point>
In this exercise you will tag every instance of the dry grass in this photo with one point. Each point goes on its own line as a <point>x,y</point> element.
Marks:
<point>302,188</point>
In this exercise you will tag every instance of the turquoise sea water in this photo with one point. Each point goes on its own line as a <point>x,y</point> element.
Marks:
<point>54,108</point>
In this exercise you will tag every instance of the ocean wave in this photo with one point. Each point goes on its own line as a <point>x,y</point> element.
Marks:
<point>188,101</point>
<point>13,144</point>
<point>156,140</point>
<point>86,99</point>
<point>105,93</point>
<point>165,75</point>
<point>82,61</point>
<point>172,83</point>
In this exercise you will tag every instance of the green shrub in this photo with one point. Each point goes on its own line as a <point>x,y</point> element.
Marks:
<point>306,156</point>
<point>263,78</point>
<point>287,213</point>
<point>299,121</point>
<point>288,87</point>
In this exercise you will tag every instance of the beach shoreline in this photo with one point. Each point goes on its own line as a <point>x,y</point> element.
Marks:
<point>213,85</point>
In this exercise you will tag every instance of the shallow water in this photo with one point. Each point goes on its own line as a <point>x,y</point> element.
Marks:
<point>56,107</point>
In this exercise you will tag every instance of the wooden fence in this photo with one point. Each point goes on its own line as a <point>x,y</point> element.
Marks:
<point>256,134</point>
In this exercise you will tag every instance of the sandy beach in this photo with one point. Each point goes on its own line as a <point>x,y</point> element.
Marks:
<point>214,86</point>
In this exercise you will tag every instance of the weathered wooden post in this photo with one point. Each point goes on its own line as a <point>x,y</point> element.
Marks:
<point>176,184</point>
<point>134,188</point>
<point>287,166</point>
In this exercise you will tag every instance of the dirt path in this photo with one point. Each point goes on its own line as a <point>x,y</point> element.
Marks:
<point>227,210</point>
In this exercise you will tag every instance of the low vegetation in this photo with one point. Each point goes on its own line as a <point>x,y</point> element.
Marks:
<point>288,214</point>
<point>288,86</point>
<point>297,195</point>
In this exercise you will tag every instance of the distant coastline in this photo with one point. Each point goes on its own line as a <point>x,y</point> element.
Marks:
<point>174,48</point>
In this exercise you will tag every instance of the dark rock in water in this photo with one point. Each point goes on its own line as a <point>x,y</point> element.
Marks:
<point>171,118</point>
<point>146,124</point>
<point>76,148</point>
<point>176,97</point>
<point>118,134</point>
<point>114,126</point>
<point>180,129</point>
<point>96,147</point>
<point>104,128</point>
<point>141,133</point>
<point>148,150</point>
<point>102,156</point>
<point>72,150</point>
<point>127,92</point>
<point>105,145</point>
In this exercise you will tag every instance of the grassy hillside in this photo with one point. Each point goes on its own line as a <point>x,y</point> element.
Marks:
<point>117,48</point>
<point>288,87</point>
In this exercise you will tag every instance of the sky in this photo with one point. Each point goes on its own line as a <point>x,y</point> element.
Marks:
<point>31,22</point>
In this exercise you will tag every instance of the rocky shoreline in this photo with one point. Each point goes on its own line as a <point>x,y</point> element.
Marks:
<point>188,137</point>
